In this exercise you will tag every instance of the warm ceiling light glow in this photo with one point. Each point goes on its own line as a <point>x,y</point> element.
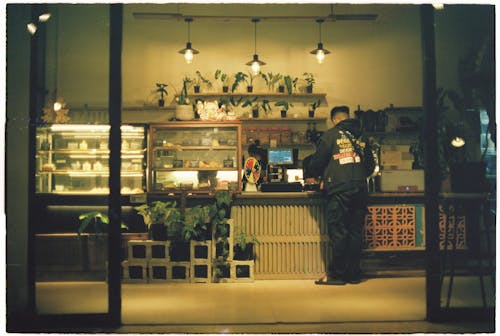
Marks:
<point>438,6</point>
<point>255,63</point>
<point>57,106</point>
<point>188,52</point>
<point>458,142</point>
<point>44,17</point>
<point>31,28</point>
<point>320,52</point>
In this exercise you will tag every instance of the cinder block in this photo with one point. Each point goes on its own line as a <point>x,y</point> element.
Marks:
<point>222,272</point>
<point>139,250</point>
<point>243,270</point>
<point>158,271</point>
<point>160,250</point>
<point>178,271</point>
<point>217,243</point>
<point>201,272</point>
<point>135,271</point>
<point>201,251</point>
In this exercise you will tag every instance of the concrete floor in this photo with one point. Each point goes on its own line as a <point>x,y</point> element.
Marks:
<point>397,304</point>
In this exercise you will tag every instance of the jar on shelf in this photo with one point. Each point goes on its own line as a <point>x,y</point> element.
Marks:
<point>275,136</point>
<point>286,135</point>
<point>244,132</point>
<point>263,136</point>
<point>251,135</point>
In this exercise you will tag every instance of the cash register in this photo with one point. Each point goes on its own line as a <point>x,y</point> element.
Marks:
<point>278,160</point>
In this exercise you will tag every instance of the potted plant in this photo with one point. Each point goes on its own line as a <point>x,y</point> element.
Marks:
<point>220,213</point>
<point>196,222</point>
<point>249,80</point>
<point>161,218</point>
<point>243,245</point>
<point>284,107</point>
<point>271,80</point>
<point>254,106</point>
<point>184,109</point>
<point>309,79</point>
<point>161,89</point>
<point>224,78</point>
<point>238,78</point>
<point>290,84</point>
<point>313,106</point>
<point>201,80</point>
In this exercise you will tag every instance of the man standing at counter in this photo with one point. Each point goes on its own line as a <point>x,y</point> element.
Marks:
<point>344,159</point>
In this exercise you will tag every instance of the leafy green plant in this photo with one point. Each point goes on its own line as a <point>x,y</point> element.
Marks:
<point>251,102</point>
<point>161,89</point>
<point>238,78</point>
<point>202,80</point>
<point>182,97</point>
<point>250,78</point>
<point>290,84</point>
<point>235,102</point>
<point>158,212</point>
<point>219,75</point>
<point>284,105</point>
<point>241,238</point>
<point>195,223</point>
<point>314,105</point>
<point>95,219</point>
<point>309,78</point>
<point>271,79</point>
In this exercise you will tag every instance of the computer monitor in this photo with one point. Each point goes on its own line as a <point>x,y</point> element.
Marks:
<point>280,156</point>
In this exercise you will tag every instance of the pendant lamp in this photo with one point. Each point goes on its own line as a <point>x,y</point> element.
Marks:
<point>320,52</point>
<point>255,63</point>
<point>188,51</point>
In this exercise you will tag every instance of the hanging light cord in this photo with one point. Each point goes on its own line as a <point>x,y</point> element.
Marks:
<point>189,29</point>
<point>255,37</point>
<point>56,56</point>
<point>319,21</point>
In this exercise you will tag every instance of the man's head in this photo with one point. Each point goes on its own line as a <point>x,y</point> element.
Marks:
<point>339,113</point>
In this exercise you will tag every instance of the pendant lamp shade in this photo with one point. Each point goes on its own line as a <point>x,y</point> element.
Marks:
<point>320,52</point>
<point>188,52</point>
<point>255,63</point>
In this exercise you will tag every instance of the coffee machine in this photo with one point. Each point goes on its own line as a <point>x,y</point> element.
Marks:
<point>278,162</point>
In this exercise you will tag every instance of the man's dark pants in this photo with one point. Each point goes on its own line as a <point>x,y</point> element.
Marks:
<point>345,218</point>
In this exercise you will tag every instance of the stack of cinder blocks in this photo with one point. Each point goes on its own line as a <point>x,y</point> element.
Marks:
<point>149,261</point>
<point>229,270</point>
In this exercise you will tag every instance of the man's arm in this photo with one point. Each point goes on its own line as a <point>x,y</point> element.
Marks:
<point>315,164</point>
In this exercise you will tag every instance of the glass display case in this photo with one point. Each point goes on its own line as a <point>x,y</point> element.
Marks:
<point>74,159</point>
<point>196,156</point>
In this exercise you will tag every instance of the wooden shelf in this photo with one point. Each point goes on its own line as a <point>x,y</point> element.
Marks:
<point>179,147</point>
<point>194,169</point>
<point>283,119</point>
<point>88,152</point>
<point>260,94</point>
<point>123,173</point>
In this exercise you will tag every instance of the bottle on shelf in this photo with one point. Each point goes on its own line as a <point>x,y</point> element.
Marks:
<point>309,133</point>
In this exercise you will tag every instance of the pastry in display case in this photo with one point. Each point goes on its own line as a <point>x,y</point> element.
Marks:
<point>195,156</point>
<point>74,159</point>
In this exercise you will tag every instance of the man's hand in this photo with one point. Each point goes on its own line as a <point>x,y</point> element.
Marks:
<point>311,180</point>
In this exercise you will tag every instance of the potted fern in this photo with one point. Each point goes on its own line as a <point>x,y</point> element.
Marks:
<point>249,80</point>
<point>271,80</point>
<point>290,84</point>
<point>238,78</point>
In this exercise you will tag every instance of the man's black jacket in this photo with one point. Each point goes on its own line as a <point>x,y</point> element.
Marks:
<point>344,158</point>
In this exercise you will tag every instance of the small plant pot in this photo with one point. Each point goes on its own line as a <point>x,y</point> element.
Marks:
<point>249,89</point>
<point>157,232</point>
<point>281,89</point>
<point>311,113</point>
<point>196,89</point>
<point>246,254</point>
<point>255,113</point>
<point>309,89</point>
<point>283,113</point>
<point>225,89</point>
<point>161,102</point>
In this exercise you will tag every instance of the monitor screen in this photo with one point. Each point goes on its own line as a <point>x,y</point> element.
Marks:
<point>280,157</point>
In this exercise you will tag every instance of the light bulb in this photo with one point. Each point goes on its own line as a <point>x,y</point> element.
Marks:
<point>255,68</point>
<point>44,17</point>
<point>57,106</point>
<point>31,28</point>
<point>438,6</point>
<point>188,56</point>
<point>458,142</point>
<point>320,56</point>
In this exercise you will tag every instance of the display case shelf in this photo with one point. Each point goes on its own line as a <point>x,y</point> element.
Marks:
<point>123,173</point>
<point>195,169</point>
<point>90,151</point>
<point>181,147</point>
